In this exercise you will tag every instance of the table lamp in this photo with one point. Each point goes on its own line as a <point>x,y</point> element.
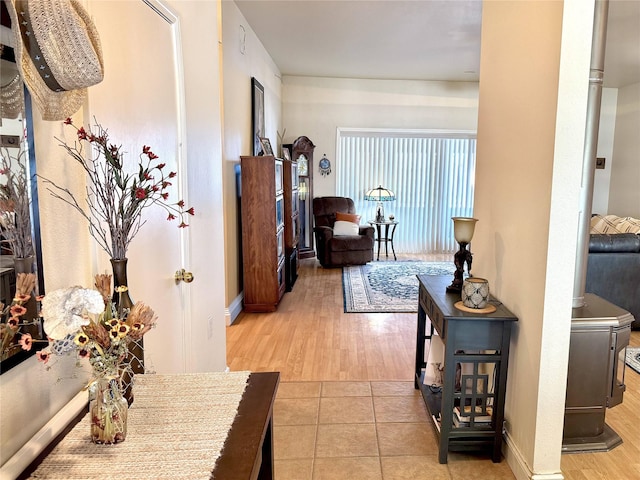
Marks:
<point>463,228</point>
<point>379,195</point>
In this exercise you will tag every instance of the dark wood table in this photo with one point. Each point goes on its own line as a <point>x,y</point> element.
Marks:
<point>477,340</point>
<point>248,449</point>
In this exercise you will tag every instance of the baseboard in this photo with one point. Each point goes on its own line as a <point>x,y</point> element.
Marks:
<point>519,466</point>
<point>13,467</point>
<point>232,312</point>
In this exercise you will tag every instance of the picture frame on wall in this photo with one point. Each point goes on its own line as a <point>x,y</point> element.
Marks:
<point>257,115</point>
<point>266,146</point>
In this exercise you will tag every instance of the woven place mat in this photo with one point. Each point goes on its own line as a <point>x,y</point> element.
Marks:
<point>176,428</point>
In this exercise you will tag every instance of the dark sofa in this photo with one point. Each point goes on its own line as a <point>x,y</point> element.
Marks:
<point>338,251</point>
<point>613,270</point>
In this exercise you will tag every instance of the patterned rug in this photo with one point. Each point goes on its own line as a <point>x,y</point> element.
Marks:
<point>633,358</point>
<point>382,287</point>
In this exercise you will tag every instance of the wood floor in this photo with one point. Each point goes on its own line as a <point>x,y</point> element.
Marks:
<point>310,338</point>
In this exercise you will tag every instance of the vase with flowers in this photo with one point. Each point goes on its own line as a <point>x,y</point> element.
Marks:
<point>17,327</point>
<point>85,320</point>
<point>116,200</point>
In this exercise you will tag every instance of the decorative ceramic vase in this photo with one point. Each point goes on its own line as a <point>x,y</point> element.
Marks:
<point>475,292</point>
<point>24,265</point>
<point>108,409</point>
<point>122,300</point>
<point>123,303</point>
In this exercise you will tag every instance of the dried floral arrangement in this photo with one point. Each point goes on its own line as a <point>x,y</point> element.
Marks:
<point>115,198</point>
<point>13,334</point>
<point>86,320</point>
<point>15,202</point>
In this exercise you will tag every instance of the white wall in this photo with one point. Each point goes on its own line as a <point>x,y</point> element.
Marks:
<point>243,57</point>
<point>316,107</point>
<point>602,177</point>
<point>624,190</point>
<point>533,88</point>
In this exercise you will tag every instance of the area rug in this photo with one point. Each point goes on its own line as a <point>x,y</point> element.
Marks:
<point>382,287</point>
<point>633,358</point>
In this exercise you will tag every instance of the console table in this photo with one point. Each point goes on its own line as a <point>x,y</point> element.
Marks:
<point>476,355</point>
<point>248,447</point>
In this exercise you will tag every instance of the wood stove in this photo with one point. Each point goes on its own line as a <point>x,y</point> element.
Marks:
<point>600,333</point>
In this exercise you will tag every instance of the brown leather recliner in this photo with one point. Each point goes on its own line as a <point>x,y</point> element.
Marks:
<point>338,251</point>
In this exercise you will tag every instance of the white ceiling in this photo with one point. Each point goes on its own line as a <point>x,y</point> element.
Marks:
<point>406,39</point>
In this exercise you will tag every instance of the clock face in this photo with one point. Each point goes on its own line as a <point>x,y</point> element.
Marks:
<point>303,166</point>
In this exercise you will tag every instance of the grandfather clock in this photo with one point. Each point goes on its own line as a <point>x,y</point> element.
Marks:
<point>302,152</point>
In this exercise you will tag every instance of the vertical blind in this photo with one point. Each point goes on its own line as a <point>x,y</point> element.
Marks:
<point>431,174</point>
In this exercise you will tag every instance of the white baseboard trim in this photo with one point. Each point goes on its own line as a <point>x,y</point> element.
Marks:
<point>232,312</point>
<point>13,467</point>
<point>519,466</point>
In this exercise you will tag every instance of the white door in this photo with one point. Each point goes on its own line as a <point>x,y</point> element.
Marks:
<point>142,102</point>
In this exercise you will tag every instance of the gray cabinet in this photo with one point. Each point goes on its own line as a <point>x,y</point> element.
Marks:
<point>468,408</point>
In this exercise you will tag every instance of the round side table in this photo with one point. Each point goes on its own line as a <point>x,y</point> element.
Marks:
<point>387,237</point>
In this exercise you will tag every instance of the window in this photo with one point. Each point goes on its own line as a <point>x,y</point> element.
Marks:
<point>431,173</point>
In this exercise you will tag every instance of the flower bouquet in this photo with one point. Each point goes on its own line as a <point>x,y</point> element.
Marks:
<point>16,329</point>
<point>86,320</point>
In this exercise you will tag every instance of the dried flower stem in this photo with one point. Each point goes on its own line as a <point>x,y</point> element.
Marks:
<point>116,199</point>
<point>25,283</point>
<point>15,202</point>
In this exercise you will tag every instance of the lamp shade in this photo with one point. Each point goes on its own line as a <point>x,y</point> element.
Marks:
<point>380,194</point>
<point>463,228</point>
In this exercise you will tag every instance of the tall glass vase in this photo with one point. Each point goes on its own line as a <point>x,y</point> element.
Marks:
<point>108,410</point>
<point>123,303</point>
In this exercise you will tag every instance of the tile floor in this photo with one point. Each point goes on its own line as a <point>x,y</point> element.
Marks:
<point>343,430</point>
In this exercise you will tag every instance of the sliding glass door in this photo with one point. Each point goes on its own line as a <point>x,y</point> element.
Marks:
<point>431,173</point>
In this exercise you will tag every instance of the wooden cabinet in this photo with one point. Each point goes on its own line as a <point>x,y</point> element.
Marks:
<point>291,224</point>
<point>263,232</point>
<point>468,407</point>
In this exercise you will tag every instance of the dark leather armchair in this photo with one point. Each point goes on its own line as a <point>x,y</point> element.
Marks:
<point>613,271</point>
<point>338,251</point>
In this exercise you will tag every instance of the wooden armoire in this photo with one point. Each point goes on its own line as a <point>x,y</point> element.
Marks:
<point>263,232</point>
